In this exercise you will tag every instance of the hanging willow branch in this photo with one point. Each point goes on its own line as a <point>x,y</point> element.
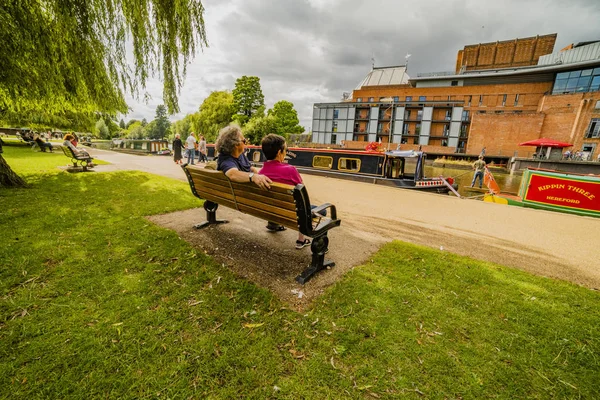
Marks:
<point>72,56</point>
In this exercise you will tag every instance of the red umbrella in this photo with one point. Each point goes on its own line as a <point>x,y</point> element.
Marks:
<point>545,142</point>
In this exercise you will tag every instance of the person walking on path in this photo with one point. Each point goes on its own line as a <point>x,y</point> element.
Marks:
<point>479,167</point>
<point>202,149</point>
<point>190,145</point>
<point>177,147</point>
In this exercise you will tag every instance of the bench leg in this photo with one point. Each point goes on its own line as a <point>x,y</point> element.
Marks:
<point>318,247</point>
<point>211,215</point>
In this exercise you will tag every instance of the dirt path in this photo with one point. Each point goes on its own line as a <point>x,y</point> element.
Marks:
<point>544,243</point>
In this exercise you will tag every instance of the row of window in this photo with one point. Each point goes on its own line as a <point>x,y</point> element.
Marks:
<point>469,99</point>
<point>395,98</point>
<point>344,164</point>
<point>593,130</point>
<point>583,80</point>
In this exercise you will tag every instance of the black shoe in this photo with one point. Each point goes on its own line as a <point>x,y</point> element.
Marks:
<point>275,227</point>
<point>302,244</point>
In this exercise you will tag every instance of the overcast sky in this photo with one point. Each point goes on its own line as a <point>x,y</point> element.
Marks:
<point>311,51</point>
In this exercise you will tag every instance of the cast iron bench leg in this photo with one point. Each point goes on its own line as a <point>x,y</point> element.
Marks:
<point>318,247</point>
<point>211,215</point>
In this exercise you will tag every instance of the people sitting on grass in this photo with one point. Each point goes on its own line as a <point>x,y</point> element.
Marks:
<point>43,145</point>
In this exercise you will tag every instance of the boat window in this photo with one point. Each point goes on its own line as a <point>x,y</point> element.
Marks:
<point>322,162</point>
<point>256,156</point>
<point>349,164</point>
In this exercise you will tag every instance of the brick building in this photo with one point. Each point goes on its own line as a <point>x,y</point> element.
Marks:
<point>502,94</point>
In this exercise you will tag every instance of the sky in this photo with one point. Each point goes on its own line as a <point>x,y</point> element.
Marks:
<point>312,51</point>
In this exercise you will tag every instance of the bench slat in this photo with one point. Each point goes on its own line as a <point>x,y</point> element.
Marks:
<point>266,208</point>
<point>216,199</point>
<point>266,197</point>
<point>211,187</point>
<point>287,222</point>
<point>246,197</point>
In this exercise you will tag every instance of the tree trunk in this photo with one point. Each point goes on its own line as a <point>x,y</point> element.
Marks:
<point>8,178</point>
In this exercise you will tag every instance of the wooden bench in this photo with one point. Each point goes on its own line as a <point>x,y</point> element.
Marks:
<point>283,204</point>
<point>78,160</point>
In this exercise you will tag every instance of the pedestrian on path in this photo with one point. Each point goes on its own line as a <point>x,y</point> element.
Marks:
<point>202,149</point>
<point>479,167</point>
<point>177,147</point>
<point>190,145</point>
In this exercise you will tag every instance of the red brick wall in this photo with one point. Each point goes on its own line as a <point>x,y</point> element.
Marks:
<point>500,134</point>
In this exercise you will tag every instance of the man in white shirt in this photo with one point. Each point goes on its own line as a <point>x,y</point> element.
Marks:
<point>190,145</point>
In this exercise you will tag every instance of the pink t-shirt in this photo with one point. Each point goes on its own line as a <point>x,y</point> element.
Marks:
<point>281,172</point>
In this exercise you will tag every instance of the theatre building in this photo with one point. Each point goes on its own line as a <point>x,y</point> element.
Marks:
<point>501,94</point>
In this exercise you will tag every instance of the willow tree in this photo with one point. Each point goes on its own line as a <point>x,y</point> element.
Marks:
<point>66,57</point>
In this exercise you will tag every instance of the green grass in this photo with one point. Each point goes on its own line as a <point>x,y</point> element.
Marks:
<point>98,302</point>
<point>34,165</point>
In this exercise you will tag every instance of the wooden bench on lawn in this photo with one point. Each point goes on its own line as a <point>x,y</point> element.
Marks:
<point>282,204</point>
<point>77,159</point>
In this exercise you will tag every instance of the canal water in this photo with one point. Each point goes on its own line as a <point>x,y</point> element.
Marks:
<point>508,183</point>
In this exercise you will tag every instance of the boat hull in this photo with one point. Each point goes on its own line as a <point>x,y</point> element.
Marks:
<point>556,191</point>
<point>361,166</point>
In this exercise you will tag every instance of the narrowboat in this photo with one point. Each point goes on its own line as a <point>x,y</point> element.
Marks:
<point>555,191</point>
<point>401,169</point>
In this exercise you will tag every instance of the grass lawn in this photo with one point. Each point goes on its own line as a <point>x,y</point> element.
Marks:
<point>97,302</point>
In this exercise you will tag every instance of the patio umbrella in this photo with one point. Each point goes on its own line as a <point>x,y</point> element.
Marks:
<point>545,142</point>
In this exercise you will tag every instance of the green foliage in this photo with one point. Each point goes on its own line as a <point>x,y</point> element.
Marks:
<point>182,127</point>
<point>247,98</point>
<point>135,131</point>
<point>114,130</point>
<point>287,118</point>
<point>215,113</point>
<point>101,130</point>
<point>131,122</point>
<point>159,128</point>
<point>122,124</point>
<point>259,127</point>
<point>63,56</point>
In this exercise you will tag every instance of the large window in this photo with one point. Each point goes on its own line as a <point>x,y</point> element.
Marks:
<point>583,80</point>
<point>593,130</point>
<point>322,162</point>
<point>349,164</point>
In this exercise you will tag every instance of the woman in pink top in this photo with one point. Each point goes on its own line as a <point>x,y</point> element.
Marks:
<point>274,149</point>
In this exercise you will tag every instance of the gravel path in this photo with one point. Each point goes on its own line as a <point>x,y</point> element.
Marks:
<point>545,243</point>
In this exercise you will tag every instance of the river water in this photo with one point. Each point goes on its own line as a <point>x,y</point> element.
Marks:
<point>508,183</point>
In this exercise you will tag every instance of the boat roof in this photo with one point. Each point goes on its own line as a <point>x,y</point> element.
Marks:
<point>403,153</point>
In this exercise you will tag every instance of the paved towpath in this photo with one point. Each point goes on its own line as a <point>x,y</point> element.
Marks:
<point>545,243</point>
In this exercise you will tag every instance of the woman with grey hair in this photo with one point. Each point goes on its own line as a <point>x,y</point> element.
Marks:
<point>232,160</point>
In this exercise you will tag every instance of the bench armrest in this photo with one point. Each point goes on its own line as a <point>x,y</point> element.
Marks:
<point>325,206</point>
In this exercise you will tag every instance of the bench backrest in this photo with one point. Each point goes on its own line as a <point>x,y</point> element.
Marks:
<point>279,204</point>
<point>67,150</point>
